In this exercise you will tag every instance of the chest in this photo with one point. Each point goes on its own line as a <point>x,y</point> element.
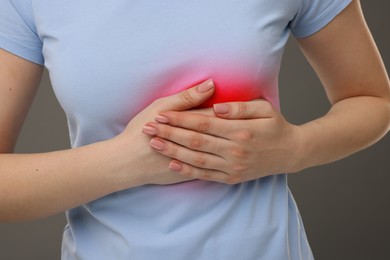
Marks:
<point>106,57</point>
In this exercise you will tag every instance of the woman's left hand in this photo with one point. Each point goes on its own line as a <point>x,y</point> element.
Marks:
<point>244,141</point>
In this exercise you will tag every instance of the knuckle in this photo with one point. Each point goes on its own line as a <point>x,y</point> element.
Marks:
<point>187,98</point>
<point>244,135</point>
<point>188,172</point>
<point>242,109</point>
<point>239,168</point>
<point>196,142</point>
<point>200,160</point>
<point>239,152</point>
<point>203,127</point>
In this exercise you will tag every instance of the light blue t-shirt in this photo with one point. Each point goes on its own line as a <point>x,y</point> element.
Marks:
<point>109,59</point>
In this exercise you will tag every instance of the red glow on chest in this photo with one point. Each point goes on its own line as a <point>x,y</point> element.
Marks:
<point>232,91</point>
<point>230,85</point>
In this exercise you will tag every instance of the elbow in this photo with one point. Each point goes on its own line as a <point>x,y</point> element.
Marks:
<point>4,219</point>
<point>7,215</point>
<point>12,210</point>
<point>388,114</point>
<point>383,108</point>
<point>386,99</point>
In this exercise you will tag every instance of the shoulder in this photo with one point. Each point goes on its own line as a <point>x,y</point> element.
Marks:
<point>312,15</point>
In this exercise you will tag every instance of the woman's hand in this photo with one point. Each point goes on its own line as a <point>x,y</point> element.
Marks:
<point>246,141</point>
<point>138,158</point>
<point>253,140</point>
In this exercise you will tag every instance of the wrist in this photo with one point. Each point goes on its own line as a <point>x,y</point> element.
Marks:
<point>125,163</point>
<point>300,149</point>
<point>312,141</point>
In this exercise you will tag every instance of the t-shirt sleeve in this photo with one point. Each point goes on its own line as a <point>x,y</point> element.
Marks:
<point>18,34</point>
<point>313,15</point>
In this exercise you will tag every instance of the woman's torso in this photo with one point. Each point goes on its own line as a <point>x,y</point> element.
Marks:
<point>108,60</point>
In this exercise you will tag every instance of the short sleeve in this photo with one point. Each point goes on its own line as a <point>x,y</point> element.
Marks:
<point>18,34</point>
<point>314,15</point>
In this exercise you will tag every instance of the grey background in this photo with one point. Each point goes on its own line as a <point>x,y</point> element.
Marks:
<point>344,205</point>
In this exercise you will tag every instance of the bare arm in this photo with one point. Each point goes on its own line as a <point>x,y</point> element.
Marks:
<point>41,184</point>
<point>19,81</point>
<point>347,61</point>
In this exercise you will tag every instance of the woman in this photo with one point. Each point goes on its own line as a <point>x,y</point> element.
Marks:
<point>177,179</point>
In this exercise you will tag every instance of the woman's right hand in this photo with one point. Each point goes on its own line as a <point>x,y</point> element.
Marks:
<point>42,184</point>
<point>140,159</point>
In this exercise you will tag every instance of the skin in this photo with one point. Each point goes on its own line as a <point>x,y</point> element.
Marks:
<point>38,185</point>
<point>249,140</point>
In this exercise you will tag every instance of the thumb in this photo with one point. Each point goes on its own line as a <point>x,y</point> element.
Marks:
<point>189,98</point>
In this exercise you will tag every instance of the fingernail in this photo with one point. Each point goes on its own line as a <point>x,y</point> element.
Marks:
<point>221,108</point>
<point>149,130</point>
<point>205,86</point>
<point>175,166</point>
<point>162,119</point>
<point>157,144</point>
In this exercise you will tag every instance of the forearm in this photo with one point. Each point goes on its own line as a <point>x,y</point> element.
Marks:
<point>38,185</point>
<point>351,125</point>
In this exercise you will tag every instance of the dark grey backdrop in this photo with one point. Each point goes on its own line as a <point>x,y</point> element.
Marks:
<point>345,205</point>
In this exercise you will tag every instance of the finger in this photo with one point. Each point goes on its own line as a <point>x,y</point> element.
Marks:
<point>200,123</point>
<point>201,174</point>
<point>189,98</point>
<point>195,158</point>
<point>202,111</point>
<point>244,110</point>
<point>188,138</point>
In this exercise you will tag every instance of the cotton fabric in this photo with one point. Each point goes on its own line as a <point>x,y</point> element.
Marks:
<point>108,60</point>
